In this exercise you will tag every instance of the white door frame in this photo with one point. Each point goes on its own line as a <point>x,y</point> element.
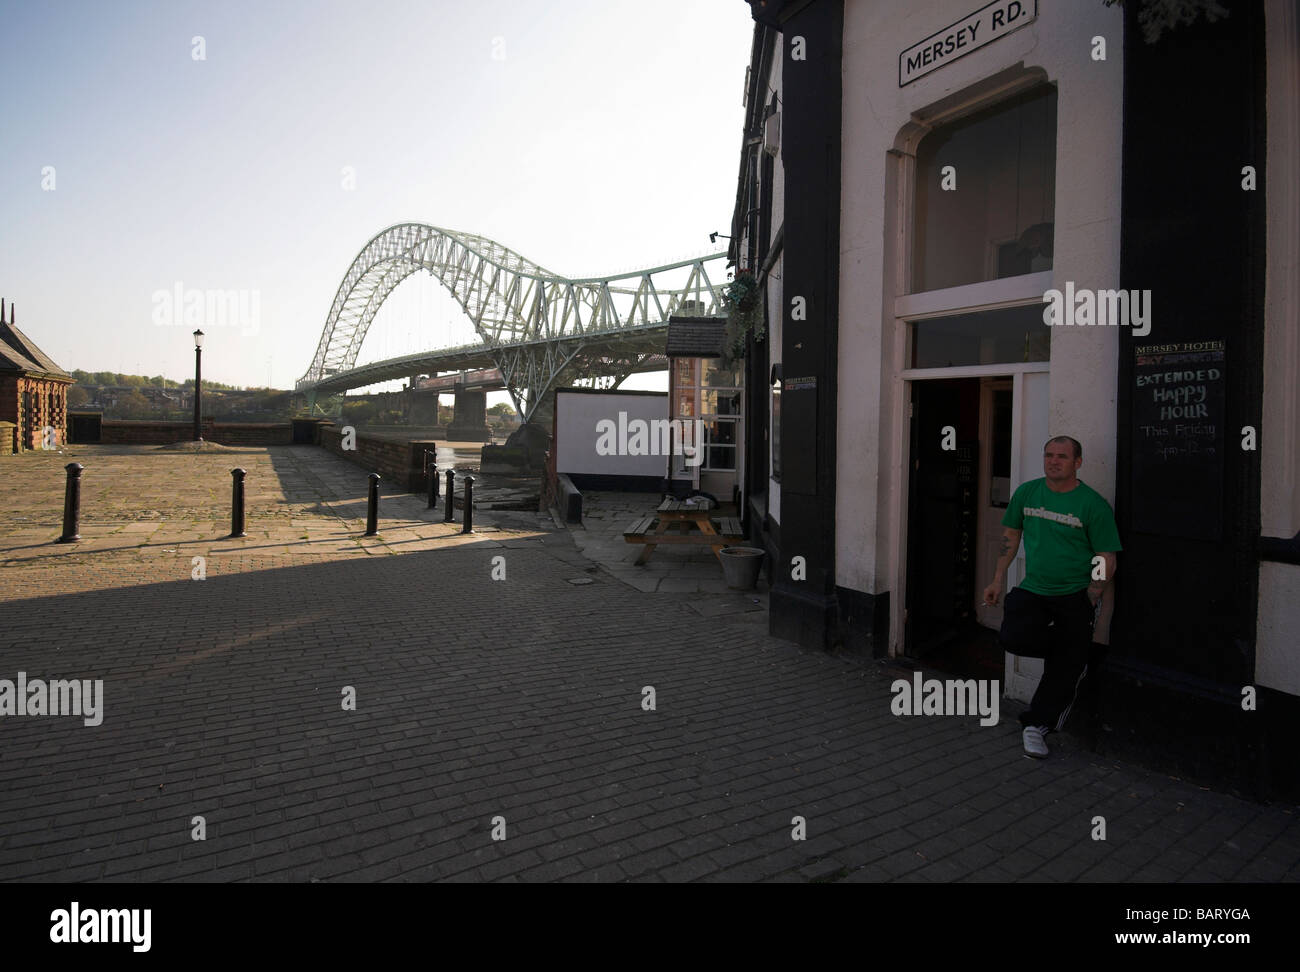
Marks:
<point>901,475</point>
<point>984,508</point>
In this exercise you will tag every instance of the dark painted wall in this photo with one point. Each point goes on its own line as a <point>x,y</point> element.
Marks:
<point>1193,116</point>
<point>805,611</point>
<point>1183,636</point>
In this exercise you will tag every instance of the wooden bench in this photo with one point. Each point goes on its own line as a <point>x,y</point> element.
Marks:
<point>729,527</point>
<point>652,530</point>
<point>639,529</point>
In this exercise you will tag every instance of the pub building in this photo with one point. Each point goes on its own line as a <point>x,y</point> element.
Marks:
<point>978,227</point>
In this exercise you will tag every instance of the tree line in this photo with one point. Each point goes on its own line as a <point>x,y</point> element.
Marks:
<point>116,379</point>
<point>139,397</point>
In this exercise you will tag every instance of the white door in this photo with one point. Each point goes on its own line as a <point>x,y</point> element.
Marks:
<point>994,486</point>
<point>1029,432</point>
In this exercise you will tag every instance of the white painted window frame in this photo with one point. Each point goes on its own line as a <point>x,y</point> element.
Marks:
<point>970,298</point>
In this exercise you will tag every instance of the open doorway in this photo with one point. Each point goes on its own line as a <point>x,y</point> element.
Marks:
<point>958,484</point>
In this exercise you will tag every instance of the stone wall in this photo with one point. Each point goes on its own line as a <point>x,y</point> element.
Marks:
<point>251,433</point>
<point>403,432</point>
<point>123,432</point>
<point>398,462</point>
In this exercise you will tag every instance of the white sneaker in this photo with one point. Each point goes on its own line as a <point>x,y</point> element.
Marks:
<point>1035,744</point>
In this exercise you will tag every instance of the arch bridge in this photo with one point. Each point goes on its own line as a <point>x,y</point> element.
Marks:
<point>540,329</point>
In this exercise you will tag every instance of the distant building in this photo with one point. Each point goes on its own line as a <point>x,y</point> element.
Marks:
<point>33,390</point>
<point>164,397</point>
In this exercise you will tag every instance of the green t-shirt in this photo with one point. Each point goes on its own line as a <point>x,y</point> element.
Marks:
<point>1062,533</point>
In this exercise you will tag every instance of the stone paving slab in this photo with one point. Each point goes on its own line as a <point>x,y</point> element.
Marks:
<point>515,703</point>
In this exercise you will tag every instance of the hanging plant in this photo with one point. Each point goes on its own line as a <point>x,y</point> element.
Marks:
<point>744,313</point>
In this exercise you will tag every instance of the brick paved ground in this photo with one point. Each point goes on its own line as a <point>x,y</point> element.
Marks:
<point>518,698</point>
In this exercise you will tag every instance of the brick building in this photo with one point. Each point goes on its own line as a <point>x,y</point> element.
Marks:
<point>33,390</point>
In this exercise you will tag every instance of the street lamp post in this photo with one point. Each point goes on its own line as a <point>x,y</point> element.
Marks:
<point>198,375</point>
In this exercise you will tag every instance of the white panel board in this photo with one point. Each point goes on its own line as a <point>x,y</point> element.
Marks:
<point>578,418</point>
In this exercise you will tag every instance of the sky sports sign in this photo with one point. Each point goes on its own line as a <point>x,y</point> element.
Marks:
<point>982,27</point>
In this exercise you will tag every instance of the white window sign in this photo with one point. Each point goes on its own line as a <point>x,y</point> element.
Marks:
<point>982,27</point>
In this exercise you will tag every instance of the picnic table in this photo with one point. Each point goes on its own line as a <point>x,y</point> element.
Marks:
<point>697,528</point>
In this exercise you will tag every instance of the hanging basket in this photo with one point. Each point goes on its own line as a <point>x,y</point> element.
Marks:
<point>744,303</point>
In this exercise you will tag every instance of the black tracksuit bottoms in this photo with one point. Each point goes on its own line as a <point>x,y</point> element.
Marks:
<point>1059,631</point>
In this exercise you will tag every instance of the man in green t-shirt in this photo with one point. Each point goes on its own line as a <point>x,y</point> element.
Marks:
<point>1066,524</point>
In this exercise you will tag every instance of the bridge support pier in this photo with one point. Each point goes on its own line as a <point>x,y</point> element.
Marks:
<point>424,407</point>
<point>469,422</point>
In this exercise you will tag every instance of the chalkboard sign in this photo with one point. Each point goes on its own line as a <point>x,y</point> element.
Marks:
<point>1178,439</point>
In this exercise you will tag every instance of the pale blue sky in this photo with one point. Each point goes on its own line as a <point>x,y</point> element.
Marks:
<point>606,138</point>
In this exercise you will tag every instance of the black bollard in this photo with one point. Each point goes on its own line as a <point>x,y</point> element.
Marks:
<point>72,504</point>
<point>237,503</point>
<point>431,470</point>
<point>451,492</point>
<point>469,505</point>
<point>372,507</point>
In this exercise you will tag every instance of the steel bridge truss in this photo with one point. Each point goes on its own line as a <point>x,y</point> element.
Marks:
<point>539,328</point>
